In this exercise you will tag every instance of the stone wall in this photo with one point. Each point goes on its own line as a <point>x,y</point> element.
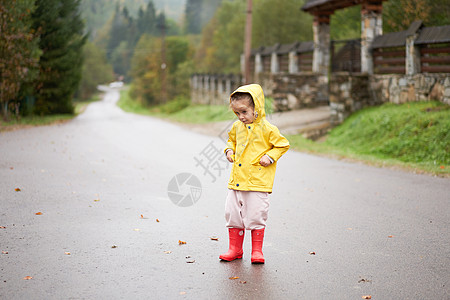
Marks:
<point>345,93</point>
<point>350,93</point>
<point>410,88</point>
<point>295,91</point>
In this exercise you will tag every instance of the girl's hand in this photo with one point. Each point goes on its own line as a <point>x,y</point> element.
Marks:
<point>264,161</point>
<point>230,154</point>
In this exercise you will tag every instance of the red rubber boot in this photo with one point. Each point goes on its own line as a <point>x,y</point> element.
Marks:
<point>257,243</point>
<point>236,236</point>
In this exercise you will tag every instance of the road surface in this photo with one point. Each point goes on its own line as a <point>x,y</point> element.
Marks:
<point>96,208</point>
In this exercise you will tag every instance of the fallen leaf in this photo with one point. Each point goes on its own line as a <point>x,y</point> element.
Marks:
<point>2,227</point>
<point>182,293</point>
<point>167,252</point>
<point>27,278</point>
<point>142,216</point>
<point>96,200</point>
<point>235,277</point>
<point>113,246</point>
<point>136,229</point>
<point>4,252</point>
<point>67,253</point>
<point>312,253</point>
<point>442,167</point>
<point>38,213</point>
<point>157,220</point>
<point>181,242</point>
<point>17,189</point>
<point>243,282</point>
<point>11,168</point>
<point>367,297</point>
<point>390,236</point>
<point>214,238</point>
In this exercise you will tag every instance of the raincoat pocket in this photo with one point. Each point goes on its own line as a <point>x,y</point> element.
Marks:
<point>259,175</point>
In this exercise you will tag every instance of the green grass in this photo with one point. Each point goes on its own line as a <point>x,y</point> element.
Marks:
<point>179,110</point>
<point>34,120</point>
<point>413,135</point>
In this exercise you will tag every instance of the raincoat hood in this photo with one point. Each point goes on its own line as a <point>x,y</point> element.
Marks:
<point>256,91</point>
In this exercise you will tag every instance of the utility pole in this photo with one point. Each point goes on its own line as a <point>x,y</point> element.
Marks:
<point>248,42</point>
<point>163,58</point>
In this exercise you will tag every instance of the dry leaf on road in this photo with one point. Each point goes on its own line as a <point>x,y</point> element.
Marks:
<point>38,213</point>
<point>27,278</point>
<point>181,242</point>
<point>17,189</point>
<point>235,277</point>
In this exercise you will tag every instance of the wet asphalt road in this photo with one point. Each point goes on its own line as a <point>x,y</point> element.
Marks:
<point>336,230</point>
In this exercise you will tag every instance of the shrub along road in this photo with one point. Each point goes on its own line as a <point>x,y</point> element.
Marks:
<point>86,213</point>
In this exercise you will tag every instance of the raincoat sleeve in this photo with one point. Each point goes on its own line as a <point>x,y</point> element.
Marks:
<point>231,143</point>
<point>279,143</point>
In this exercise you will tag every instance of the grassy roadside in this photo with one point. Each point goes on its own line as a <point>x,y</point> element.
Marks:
<point>178,110</point>
<point>413,136</point>
<point>31,121</point>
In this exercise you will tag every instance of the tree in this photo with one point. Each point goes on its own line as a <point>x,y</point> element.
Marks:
<point>61,40</point>
<point>193,22</point>
<point>147,72</point>
<point>19,52</point>
<point>280,21</point>
<point>96,70</point>
<point>146,21</point>
<point>274,21</point>
<point>223,39</point>
<point>399,14</point>
<point>345,23</point>
<point>198,13</point>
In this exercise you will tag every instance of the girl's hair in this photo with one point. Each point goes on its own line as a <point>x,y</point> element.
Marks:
<point>239,96</point>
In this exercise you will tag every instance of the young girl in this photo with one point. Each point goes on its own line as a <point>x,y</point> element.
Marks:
<point>254,147</point>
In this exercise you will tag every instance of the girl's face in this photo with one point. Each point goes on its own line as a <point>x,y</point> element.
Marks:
<point>243,111</point>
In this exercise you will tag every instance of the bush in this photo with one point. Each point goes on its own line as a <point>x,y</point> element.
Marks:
<point>175,105</point>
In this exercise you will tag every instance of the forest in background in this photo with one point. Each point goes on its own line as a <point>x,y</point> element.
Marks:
<point>147,45</point>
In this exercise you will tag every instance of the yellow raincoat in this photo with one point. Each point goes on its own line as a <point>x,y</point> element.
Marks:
<point>249,143</point>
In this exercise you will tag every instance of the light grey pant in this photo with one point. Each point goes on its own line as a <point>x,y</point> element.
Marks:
<point>246,209</point>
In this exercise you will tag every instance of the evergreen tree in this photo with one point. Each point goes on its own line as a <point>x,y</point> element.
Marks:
<point>193,20</point>
<point>198,13</point>
<point>146,21</point>
<point>123,37</point>
<point>61,40</point>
